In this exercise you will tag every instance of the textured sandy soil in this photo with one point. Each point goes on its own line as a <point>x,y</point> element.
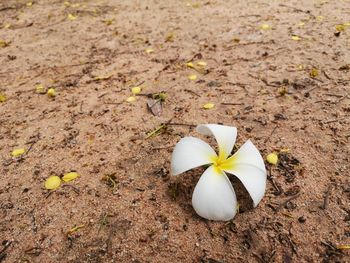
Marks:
<point>258,79</point>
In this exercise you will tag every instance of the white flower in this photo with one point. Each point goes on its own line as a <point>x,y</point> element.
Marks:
<point>214,197</point>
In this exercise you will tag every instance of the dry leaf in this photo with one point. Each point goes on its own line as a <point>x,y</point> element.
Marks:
<point>155,106</point>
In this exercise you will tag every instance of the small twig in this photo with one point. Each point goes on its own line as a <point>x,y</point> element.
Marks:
<point>268,137</point>
<point>326,198</point>
<point>288,200</point>
<point>113,103</point>
<point>334,95</point>
<point>231,103</point>
<point>162,148</point>
<point>180,124</point>
<point>81,107</point>
<point>326,75</point>
<point>259,258</point>
<point>192,92</point>
<point>76,190</point>
<point>6,245</point>
<point>330,121</point>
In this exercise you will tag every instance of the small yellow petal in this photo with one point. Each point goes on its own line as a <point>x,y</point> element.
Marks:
<point>190,65</point>
<point>108,22</point>
<point>202,63</point>
<point>97,78</point>
<point>29,4</point>
<point>72,17</point>
<point>272,158</point>
<point>300,67</point>
<point>208,106</point>
<point>70,176</point>
<point>149,50</point>
<point>313,73</point>
<point>40,89</point>
<point>295,38</point>
<point>3,43</point>
<point>170,37</point>
<point>285,150</point>
<point>66,3</point>
<point>340,28</point>
<point>18,152</point>
<point>53,182</point>
<point>74,229</point>
<point>346,24</point>
<point>343,247</point>
<point>301,24</point>
<point>51,92</point>
<point>2,98</point>
<point>136,90</point>
<point>131,99</point>
<point>265,27</point>
<point>192,77</point>
<point>319,18</point>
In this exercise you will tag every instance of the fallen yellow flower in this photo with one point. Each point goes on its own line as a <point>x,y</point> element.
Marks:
<point>131,99</point>
<point>70,176</point>
<point>265,27</point>
<point>2,98</point>
<point>192,77</point>
<point>40,89</point>
<point>53,182</point>
<point>72,17</point>
<point>136,90</point>
<point>18,152</point>
<point>208,106</point>
<point>272,158</point>
<point>51,92</point>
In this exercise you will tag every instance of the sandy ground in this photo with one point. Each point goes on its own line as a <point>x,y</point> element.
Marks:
<point>279,92</point>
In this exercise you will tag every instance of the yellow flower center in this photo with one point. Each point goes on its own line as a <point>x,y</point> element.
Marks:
<point>222,163</point>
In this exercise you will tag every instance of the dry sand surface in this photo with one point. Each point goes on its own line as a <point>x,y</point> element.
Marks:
<point>277,70</point>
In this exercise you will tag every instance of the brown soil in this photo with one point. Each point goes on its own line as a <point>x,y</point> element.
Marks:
<point>259,81</point>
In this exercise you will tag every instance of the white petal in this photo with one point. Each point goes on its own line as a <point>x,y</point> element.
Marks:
<point>190,153</point>
<point>213,197</point>
<point>249,154</point>
<point>224,135</point>
<point>248,165</point>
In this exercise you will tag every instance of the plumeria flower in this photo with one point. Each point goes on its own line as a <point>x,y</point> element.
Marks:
<point>214,197</point>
